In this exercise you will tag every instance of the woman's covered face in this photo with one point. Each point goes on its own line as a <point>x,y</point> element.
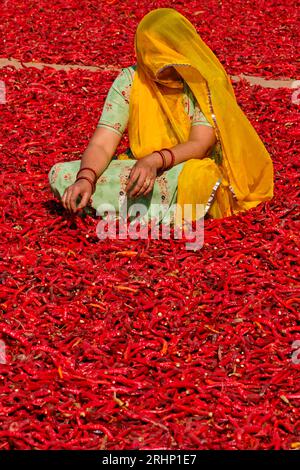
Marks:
<point>158,42</point>
<point>168,74</point>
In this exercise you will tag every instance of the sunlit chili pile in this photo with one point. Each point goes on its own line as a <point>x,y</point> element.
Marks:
<point>141,344</point>
<point>258,37</point>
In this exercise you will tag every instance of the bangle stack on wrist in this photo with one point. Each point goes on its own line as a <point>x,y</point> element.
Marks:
<point>92,182</point>
<point>164,166</point>
<point>172,159</point>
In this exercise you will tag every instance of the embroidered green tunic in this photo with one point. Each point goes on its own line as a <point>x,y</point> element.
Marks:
<point>110,187</point>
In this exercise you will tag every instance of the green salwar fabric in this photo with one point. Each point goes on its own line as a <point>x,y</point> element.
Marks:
<point>110,189</point>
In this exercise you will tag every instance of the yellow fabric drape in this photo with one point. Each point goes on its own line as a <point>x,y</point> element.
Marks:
<point>166,38</point>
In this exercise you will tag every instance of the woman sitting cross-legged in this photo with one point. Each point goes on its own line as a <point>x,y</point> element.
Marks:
<point>190,142</point>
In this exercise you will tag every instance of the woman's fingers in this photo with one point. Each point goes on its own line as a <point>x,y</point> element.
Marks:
<point>64,198</point>
<point>150,188</point>
<point>135,181</point>
<point>71,194</point>
<point>68,199</point>
<point>142,191</point>
<point>138,185</point>
<point>73,198</point>
<point>132,177</point>
<point>84,201</point>
<point>141,184</point>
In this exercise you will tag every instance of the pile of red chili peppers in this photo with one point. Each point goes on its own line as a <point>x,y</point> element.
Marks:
<point>124,344</point>
<point>255,37</point>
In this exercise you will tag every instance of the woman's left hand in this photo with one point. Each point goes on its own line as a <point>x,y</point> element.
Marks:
<point>142,176</point>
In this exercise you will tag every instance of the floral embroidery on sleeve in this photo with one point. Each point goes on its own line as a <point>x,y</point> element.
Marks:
<point>199,118</point>
<point>115,112</point>
<point>108,106</point>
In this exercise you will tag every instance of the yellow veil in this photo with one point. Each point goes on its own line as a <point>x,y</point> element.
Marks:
<point>166,38</point>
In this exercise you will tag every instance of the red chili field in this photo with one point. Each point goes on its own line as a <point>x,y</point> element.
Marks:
<point>142,344</point>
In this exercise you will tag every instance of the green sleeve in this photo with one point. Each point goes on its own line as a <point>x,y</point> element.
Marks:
<point>198,117</point>
<point>115,111</point>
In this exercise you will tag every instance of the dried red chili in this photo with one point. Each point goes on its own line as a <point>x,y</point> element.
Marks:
<point>140,344</point>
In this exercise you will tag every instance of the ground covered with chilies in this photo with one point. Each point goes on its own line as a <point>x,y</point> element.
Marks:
<point>257,37</point>
<point>125,344</point>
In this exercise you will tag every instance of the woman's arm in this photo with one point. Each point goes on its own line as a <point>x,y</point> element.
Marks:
<point>100,150</point>
<point>104,141</point>
<point>142,177</point>
<point>97,156</point>
<point>200,143</point>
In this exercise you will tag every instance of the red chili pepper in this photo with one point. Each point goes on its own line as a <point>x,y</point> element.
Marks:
<point>97,427</point>
<point>164,347</point>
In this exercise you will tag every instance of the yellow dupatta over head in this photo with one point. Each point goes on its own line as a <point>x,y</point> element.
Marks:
<point>157,119</point>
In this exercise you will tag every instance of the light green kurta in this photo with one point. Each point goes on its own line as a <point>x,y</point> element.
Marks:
<point>110,187</point>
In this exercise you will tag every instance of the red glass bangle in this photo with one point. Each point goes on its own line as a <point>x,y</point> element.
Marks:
<point>89,180</point>
<point>172,158</point>
<point>88,168</point>
<point>163,160</point>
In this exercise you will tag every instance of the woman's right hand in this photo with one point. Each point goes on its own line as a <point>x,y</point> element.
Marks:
<point>79,188</point>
